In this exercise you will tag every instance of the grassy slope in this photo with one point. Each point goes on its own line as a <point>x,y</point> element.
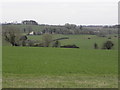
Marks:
<point>57,67</point>
<point>70,68</point>
<point>55,61</point>
<point>82,40</point>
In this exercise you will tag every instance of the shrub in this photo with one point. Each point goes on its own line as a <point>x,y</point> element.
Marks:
<point>56,44</point>
<point>108,45</point>
<point>69,46</point>
<point>95,46</point>
<point>109,38</point>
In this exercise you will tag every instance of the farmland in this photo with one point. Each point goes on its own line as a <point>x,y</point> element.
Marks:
<point>27,66</point>
<point>82,40</point>
<point>59,67</point>
<point>59,44</point>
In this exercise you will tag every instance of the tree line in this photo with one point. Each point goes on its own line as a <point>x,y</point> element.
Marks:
<point>69,29</point>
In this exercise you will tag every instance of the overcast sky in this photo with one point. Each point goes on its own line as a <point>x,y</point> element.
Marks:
<point>61,11</point>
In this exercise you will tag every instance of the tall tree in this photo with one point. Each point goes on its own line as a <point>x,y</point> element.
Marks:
<point>47,39</point>
<point>11,34</point>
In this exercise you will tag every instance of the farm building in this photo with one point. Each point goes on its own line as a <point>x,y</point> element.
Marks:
<point>31,33</point>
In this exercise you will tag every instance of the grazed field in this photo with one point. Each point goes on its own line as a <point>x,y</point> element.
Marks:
<point>59,67</point>
<point>82,40</point>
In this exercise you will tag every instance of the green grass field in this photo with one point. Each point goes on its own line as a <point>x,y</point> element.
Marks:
<point>38,67</point>
<point>81,40</point>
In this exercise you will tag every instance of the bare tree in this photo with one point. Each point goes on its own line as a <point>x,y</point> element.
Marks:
<point>11,34</point>
<point>47,39</point>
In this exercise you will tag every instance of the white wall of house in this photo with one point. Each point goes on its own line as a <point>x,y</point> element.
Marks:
<point>31,33</point>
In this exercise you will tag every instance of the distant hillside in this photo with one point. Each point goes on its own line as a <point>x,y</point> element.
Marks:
<point>67,29</point>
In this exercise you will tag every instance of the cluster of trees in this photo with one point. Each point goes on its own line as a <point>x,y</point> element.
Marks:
<point>77,29</point>
<point>11,35</point>
<point>29,22</point>
<point>107,45</point>
<point>67,28</point>
<point>25,22</point>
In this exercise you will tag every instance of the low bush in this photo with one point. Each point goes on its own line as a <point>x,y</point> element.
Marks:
<point>69,46</point>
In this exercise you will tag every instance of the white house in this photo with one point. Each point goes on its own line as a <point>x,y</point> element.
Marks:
<point>31,33</point>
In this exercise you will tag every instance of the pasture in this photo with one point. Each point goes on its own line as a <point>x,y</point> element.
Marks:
<point>81,40</point>
<point>47,67</point>
<point>40,67</point>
